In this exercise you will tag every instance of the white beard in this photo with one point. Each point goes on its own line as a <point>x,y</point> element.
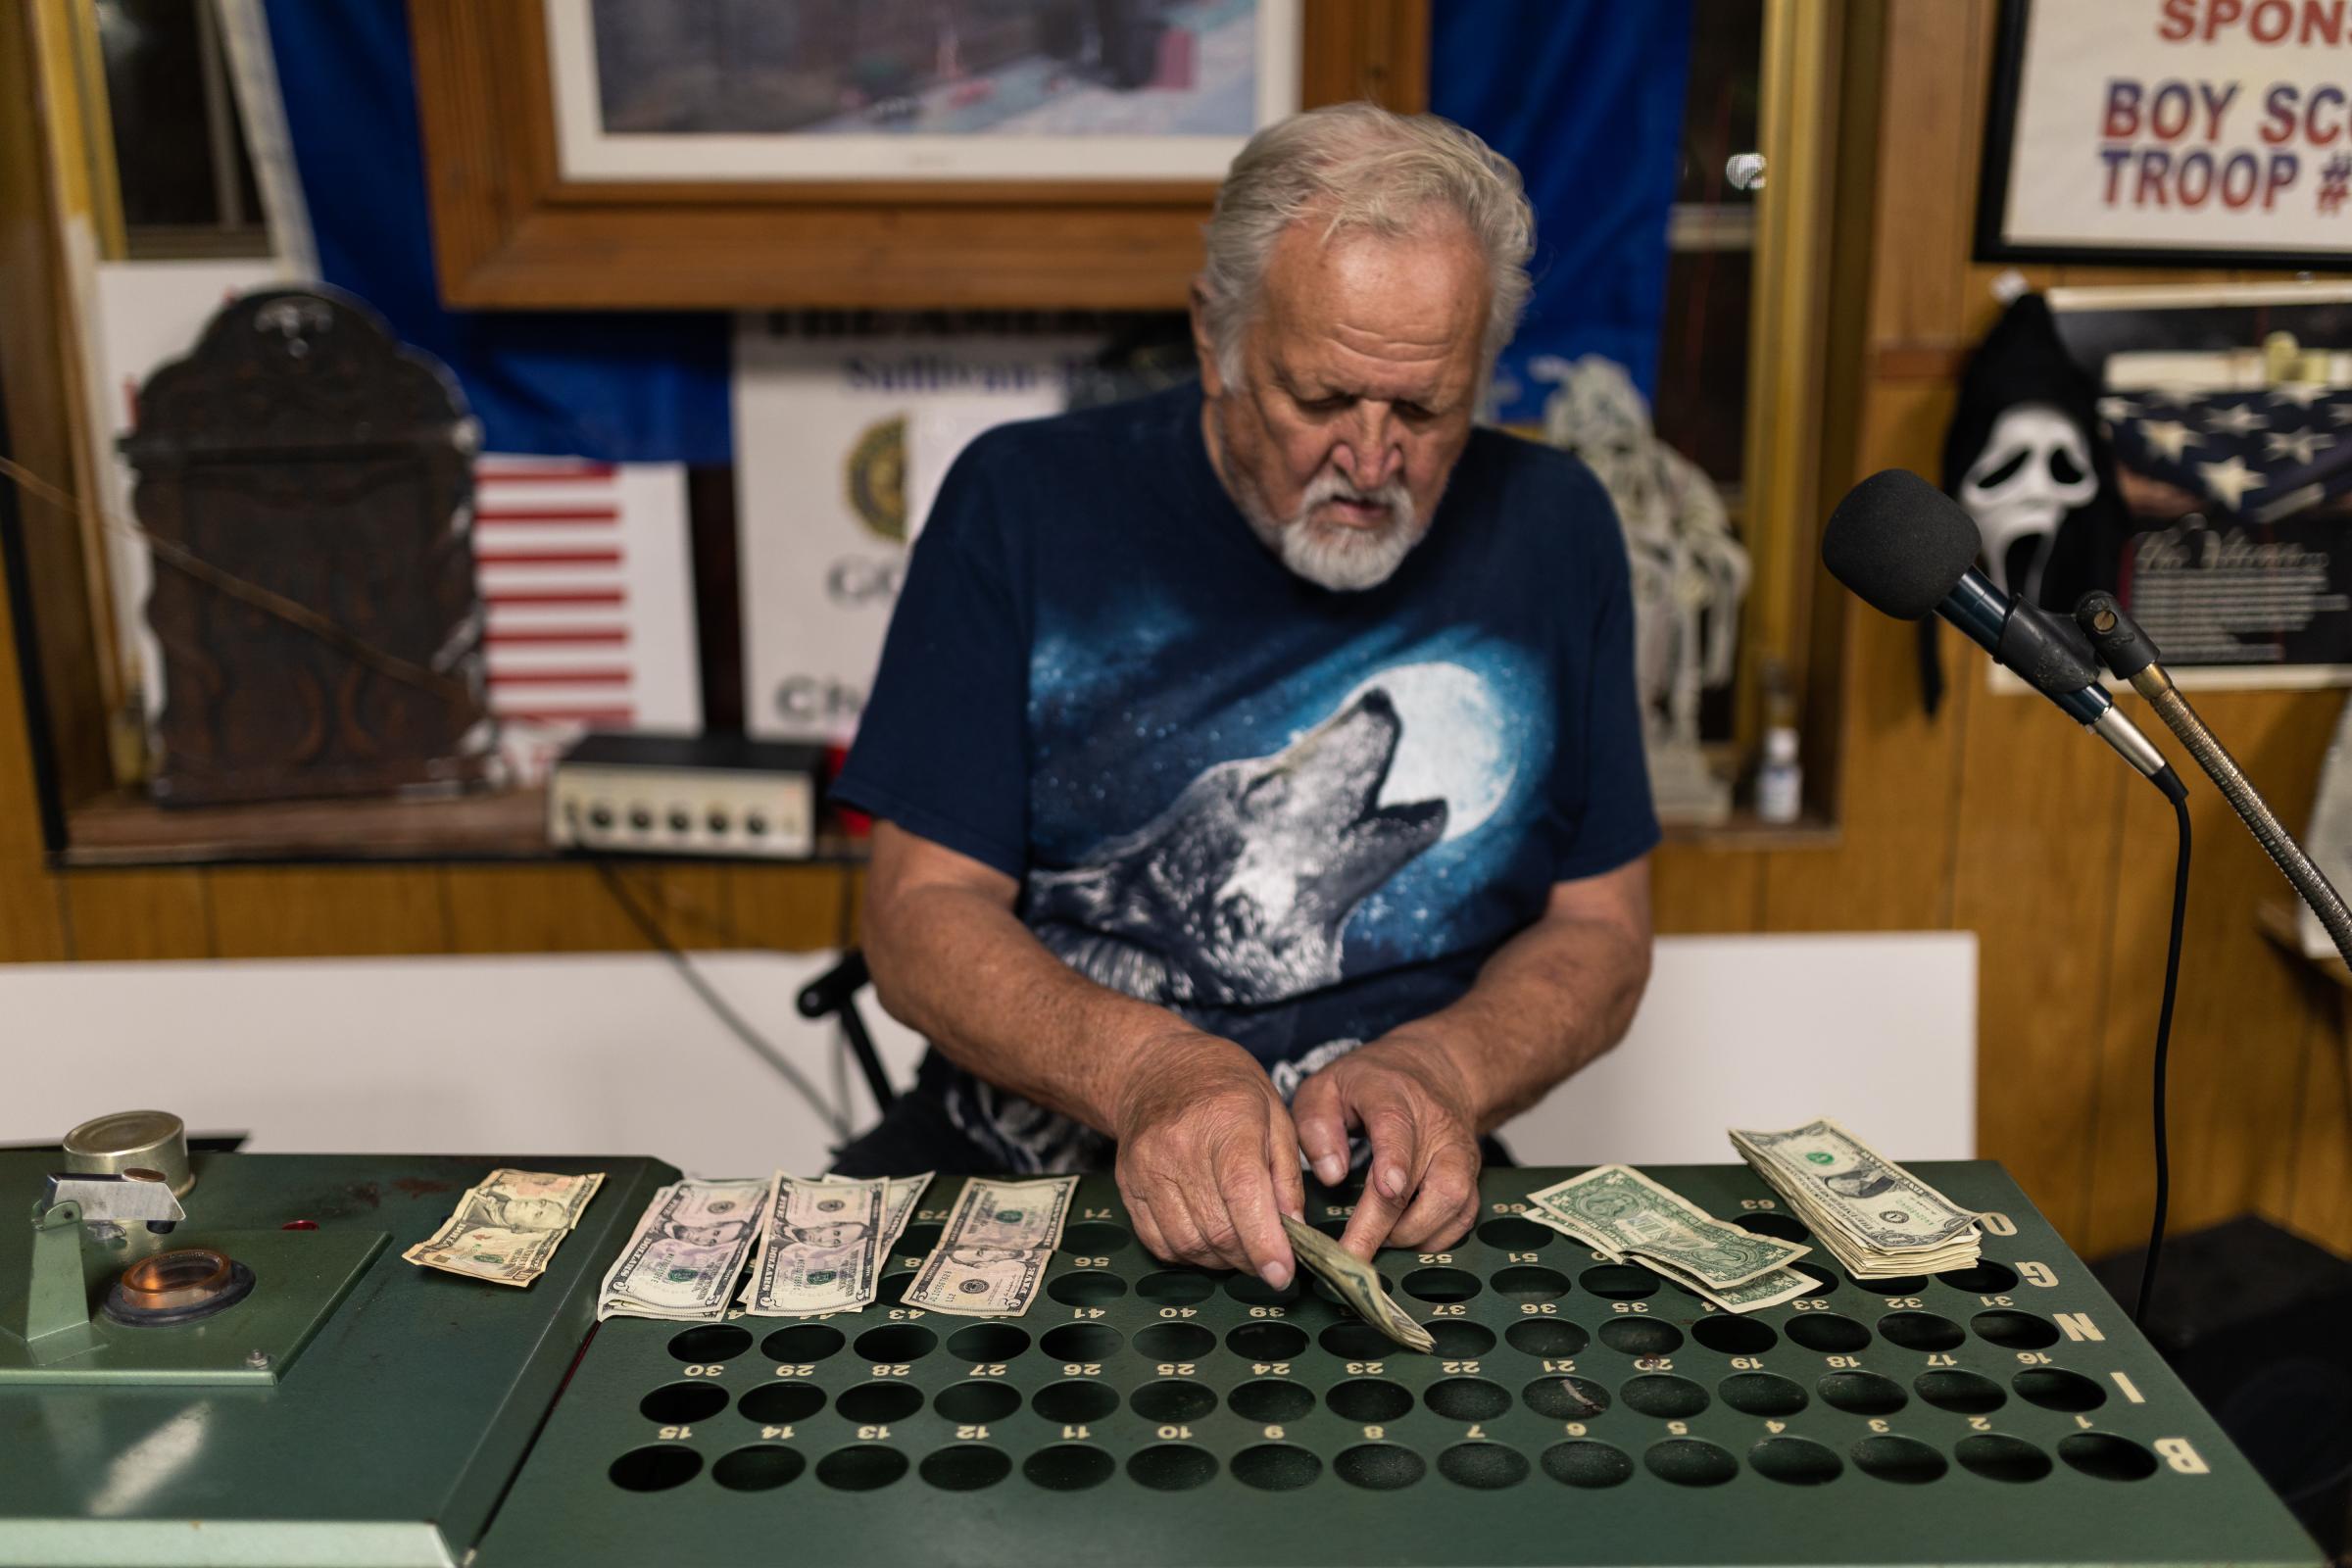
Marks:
<point>1335,556</point>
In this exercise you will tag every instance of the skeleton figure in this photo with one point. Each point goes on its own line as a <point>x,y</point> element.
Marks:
<point>2034,470</point>
<point>1690,571</point>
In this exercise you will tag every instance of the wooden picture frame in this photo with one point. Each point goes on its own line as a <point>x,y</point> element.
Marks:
<point>509,231</point>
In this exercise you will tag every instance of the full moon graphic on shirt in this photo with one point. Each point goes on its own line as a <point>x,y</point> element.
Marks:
<point>1449,742</point>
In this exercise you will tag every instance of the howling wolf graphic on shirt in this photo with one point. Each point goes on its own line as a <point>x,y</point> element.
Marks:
<point>1236,892</point>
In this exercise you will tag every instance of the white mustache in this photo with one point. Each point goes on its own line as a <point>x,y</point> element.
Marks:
<point>1334,487</point>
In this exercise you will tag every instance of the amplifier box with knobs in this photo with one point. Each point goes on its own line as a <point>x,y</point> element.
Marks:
<point>686,795</point>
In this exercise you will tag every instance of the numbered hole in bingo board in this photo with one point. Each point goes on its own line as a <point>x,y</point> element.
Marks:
<point>1068,1468</point>
<point>988,1341</point>
<point>1095,1236</point>
<point>896,1342</point>
<point>712,1341</point>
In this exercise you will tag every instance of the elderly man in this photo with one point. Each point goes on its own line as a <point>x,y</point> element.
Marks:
<point>1258,766</point>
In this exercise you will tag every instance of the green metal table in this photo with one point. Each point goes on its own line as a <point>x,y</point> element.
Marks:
<point>1576,1411</point>
<point>389,1437</point>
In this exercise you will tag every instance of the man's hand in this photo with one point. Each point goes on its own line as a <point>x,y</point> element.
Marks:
<point>1209,1160</point>
<point>1410,1101</point>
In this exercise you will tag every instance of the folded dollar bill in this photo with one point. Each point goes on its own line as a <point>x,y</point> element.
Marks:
<point>688,1251</point>
<point>1358,1282</point>
<point>507,1225</point>
<point>1623,1214</point>
<point>994,1248</point>
<point>1875,1218</point>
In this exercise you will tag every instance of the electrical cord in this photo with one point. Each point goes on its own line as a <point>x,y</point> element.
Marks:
<point>651,929</point>
<point>2164,1048</point>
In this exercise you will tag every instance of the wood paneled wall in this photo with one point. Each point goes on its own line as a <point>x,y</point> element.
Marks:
<point>1995,818</point>
<point>1998,817</point>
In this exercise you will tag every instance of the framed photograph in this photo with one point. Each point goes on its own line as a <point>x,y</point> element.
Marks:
<point>917,89</point>
<point>892,154</point>
<point>2161,133</point>
<point>2226,410</point>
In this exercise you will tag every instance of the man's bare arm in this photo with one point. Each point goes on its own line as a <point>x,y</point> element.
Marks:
<point>1208,1155</point>
<point>1550,999</point>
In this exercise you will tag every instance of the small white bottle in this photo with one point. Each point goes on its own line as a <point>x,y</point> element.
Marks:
<point>1781,781</point>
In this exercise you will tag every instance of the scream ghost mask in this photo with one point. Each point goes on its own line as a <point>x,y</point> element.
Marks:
<point>2034,470</point>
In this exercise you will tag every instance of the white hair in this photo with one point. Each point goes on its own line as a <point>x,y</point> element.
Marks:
<point>1360,166</point>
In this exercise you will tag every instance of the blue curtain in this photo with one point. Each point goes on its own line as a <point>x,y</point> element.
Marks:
<point>1585,96</point>
<point>635,387</point>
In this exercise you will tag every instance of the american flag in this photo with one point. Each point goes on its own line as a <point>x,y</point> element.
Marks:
<point>582,568</point>
<point>2258,455</point>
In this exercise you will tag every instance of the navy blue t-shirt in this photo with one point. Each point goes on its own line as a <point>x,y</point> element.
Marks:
<point>1297,818</point>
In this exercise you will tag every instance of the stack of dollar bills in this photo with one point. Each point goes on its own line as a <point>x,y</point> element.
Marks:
<point>993,1251</point>
<point>1877,1218</point>
<point>823,1240</point>
<point>507,1225</point>
<point>1623,1214</point>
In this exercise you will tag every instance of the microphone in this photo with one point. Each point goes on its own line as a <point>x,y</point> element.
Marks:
<point>1908,550</point>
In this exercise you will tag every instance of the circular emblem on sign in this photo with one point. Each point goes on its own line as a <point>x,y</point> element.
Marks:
<point>876,478</point>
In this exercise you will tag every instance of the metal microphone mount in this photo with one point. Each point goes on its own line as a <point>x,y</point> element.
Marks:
<point>2129,652</point>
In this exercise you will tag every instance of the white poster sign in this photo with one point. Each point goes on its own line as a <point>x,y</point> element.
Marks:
<point>840,449</point>
<point>2214,127</point>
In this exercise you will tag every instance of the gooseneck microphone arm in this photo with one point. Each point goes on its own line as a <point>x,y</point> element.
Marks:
<point>2131,655</point>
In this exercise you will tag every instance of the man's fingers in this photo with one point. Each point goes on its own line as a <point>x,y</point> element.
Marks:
<point>1247,1190</point>
<point>1182,1229</point>
<point>1320,1118</point>
<point>1220,1243</point>
<point>1449,1190</point>
<point>1368,1227</point>
<point>1147,1226</point>
<point>1282,1158</point>
<point>1395,1163</point>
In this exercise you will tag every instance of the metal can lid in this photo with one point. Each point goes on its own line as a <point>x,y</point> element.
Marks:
<point>126,1132</point>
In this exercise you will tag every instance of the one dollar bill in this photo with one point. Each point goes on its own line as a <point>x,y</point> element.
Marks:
<point>1878,1219</point>
<point>1622,1211</point>
<point>507,1226</point>
<point>994,1248</point>
<point>688,1251</point>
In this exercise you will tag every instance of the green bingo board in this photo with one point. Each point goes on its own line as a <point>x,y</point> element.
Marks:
<point>1576,1411</point>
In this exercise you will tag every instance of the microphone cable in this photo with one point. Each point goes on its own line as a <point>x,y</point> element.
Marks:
<point>2164,1050</point>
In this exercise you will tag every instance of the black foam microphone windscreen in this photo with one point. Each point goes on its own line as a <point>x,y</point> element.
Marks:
<point>1899,543</point>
